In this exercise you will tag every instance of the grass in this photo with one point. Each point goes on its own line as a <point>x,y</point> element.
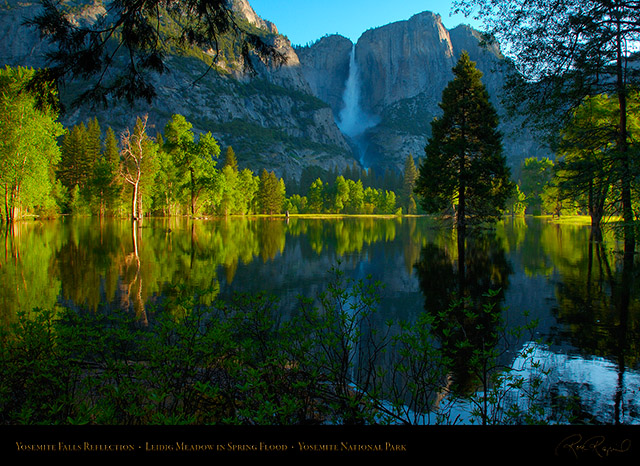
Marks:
<point>580,219</point>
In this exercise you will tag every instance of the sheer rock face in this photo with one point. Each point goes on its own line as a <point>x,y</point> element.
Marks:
<point>245,10</point>
<point>404,59</point>
<point>404,67</point>
<point>326,68</point>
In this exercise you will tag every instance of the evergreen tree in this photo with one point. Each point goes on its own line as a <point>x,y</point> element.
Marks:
<point>111,157</point>
<point>103,183</point>
<point>464,164</point>
<point>73,169</point>
<point>80,153</point>
<point>93,146</point>
<point>271,195</point>
<point>111,150</point>
<point>230,159</point>
<point>410,175</point>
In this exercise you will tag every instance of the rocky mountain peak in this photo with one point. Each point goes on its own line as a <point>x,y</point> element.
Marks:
<point>326,68</point>
<point>403,67</point>
<point>245,10</point>
<point>401,59</point>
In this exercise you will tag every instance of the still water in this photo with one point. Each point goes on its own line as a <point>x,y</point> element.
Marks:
<point>583,295</point>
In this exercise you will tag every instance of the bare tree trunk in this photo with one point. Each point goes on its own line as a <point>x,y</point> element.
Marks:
<point>131,168</point>
<point>134,201</point>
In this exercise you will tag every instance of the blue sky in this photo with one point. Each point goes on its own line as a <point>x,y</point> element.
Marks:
<point>304,21</point>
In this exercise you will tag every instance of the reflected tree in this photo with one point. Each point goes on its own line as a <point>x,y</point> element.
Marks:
<point>597,305</point>
<point>132,277</point>
<point>463,284</point>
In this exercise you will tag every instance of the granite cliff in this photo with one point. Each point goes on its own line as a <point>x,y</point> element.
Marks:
<point>308,112</point>
<point>403,69</point>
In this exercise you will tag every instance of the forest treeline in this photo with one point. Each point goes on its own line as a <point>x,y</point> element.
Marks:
<point>47,170</point>
<point>584,178</point>
<point>179,173</point>
<point>85,169</point>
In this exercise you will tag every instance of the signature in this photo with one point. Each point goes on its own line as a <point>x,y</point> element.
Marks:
<point>596,444</point>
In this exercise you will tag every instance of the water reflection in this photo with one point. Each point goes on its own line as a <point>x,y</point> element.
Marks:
<point>464,278</point>
<point>598,303</point>
<point>582,289</point>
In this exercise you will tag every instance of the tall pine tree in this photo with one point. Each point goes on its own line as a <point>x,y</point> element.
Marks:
<point>230,159</point>
<point>410,174</point>
<point>464,166</point>
<point>271,193</point>
<point>105,175</point>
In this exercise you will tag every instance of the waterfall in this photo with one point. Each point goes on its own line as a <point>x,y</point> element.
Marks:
<point>354,121</point>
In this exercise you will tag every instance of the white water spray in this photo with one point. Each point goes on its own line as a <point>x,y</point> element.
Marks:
<point>354,121</point>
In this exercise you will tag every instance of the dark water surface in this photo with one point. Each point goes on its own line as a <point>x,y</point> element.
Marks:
<point>583,294</point>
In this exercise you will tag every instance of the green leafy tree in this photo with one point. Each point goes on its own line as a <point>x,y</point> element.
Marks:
<point>316,196</point>
<point>386,203</point>
<point>587,156</point>
<point>565,51</point>
<point>167,199</point>
<point>535,175</point>
<point>234,198</point>
<point>517,204</point>
<point>196,159</point>
<point>464,163</point>
<point>369,200</point>
<point>248,185</point>
<point>355,203</point>
<point>28,146</point>
<point>296,204</point>
<point>231,197</point>
<point>341,194</point>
